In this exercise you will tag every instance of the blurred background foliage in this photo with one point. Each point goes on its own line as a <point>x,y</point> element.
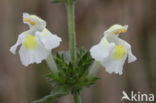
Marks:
<point>19,84</point>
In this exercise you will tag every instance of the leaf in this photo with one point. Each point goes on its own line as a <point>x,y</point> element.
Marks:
<point>56,93</point>
<point>50,76</point>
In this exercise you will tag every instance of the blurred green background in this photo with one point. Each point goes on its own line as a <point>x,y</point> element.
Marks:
<point>19,84</point>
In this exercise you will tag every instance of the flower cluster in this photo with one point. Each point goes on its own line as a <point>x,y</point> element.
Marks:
<point>37,43</point>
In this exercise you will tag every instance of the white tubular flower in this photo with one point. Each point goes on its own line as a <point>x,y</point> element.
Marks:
<point>36,43</point>
<point>112,51</point>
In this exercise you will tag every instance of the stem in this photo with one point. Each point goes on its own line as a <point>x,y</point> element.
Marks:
<point>71,28</point>
<point>76,98</point>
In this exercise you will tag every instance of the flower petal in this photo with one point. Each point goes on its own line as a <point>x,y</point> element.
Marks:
<point>101,50</point>
<point>131,57</point>
<point>19,41</point>
<point>33,56</point>
<point>125,27</point>
<point>14,47</point>
<point>48,39</point>
<point>115,66</point>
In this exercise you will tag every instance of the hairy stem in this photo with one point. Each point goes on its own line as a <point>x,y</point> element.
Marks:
<point>71,28</point>
<point>76,98</point>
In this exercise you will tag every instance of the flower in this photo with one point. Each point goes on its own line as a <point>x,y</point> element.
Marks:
<point>37,42</point>
<point>112,51</point>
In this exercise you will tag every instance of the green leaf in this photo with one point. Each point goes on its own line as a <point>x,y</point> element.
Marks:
<point>56,93</point>
<point>50,76</point>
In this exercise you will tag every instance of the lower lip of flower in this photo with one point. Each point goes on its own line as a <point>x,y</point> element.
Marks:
<point>119,52</point>
<point>30,42</point>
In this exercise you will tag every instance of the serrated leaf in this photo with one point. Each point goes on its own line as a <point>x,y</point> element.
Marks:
<point>50,76</point>
<point>56,93</point>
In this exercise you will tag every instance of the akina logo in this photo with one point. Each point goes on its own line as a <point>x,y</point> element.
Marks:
<point>137,97</point>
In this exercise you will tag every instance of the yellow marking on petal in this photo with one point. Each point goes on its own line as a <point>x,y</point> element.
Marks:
<point>27,20</point>
<point>30,42</point>
<point>116,32</point>
<point>32,23</point>
<point>119,52</point>
<point>123,30</point>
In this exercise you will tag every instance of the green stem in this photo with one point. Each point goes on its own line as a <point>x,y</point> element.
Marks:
<point>76,98</point>
<point>71,28</point>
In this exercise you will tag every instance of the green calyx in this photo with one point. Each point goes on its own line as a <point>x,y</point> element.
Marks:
<point>72,77</point>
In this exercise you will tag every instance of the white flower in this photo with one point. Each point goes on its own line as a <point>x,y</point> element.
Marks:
<point>36,43</point>
<point>112,51</point>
